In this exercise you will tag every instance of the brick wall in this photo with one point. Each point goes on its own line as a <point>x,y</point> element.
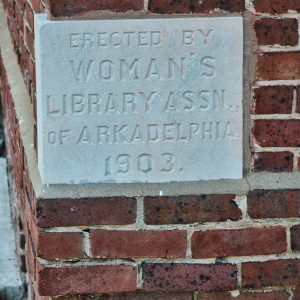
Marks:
<point>204,246</point>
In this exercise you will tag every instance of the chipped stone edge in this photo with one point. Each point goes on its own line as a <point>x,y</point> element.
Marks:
<point>23,107</point>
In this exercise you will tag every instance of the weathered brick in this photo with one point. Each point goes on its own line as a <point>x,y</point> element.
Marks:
<point>274,204</point>
<point>295,238</point>
<point>239,242</point>
<point>75,7</point>
<point>282,32</point>
<point>128,244</point>
<point>276,133</point>
<point>298,99</point>
<point>92,279</point>
<point>133,296</point>
<point>272,100</point>
<point>296,293</point>
<point>278,66</point>
<point>86,211</point>
<point>29,40</point>
<point>271,273</point>
<point>272,161</point>
<point>255,295</point>
<point>60,245</point>
<point>36,4</point>
<point>188,6</point>
<point>189,277</point>
<point>276,6</point>
<point>29,17</point>
<point>191,209</point>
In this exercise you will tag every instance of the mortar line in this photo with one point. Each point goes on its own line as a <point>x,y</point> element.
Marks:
<point>294,107</point>
<point>292,116</point>
<point>288,82</point>
<point>189,243</point>
<point>290,291</point>
<point>239,274</point>
<point>294,15</point>
<point>241,224</point>
<point>288,238</point>
<point>86,243</point>
<point>140,281</point>
<point>234,260</point>
<point>146,5</point>
<point>258,148</point>
<point>140,224</point>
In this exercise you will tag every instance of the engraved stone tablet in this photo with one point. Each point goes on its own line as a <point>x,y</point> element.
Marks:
<point>139,100</point>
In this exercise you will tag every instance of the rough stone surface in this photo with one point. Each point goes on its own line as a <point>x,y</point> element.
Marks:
<point>180,120</point>
<point>11,284</point>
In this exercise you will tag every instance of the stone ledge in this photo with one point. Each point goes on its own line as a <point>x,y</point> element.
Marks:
<point>23,107</point>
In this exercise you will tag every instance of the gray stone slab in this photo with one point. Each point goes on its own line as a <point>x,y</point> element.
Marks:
<point>139,100</point>
<point>23,107</point>
<point>11,284</point>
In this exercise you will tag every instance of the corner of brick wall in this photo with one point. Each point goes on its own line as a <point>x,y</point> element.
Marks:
<point>227,246</point>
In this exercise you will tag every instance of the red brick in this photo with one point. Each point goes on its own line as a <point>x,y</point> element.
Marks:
<point>255,295</point>
<point>272,161</point>
<point>282,32</point>
<point>238,242</point>
<point>62,245</point>
<point>36,5</point>
<point>60,8</point>
<point>86,279</point>
<point>189,277</point>
<point>191,209</point>
<point>29,40</point>
<point>134,296</point>
<point>188,6</point>
<point>29,16</point>
<point>278,66</point>
<point>272,100</point>
<point>296,293</point>
<point>271,273</point>
<point>276,133</point>
<point>295,238</point>
<point>274,204</point>
<point>86,211</point>
<point>128,244</point>
<point>276,6</point>
<point>298,99</point>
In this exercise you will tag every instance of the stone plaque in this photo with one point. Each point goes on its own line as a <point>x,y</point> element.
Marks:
<point>139,100</point>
